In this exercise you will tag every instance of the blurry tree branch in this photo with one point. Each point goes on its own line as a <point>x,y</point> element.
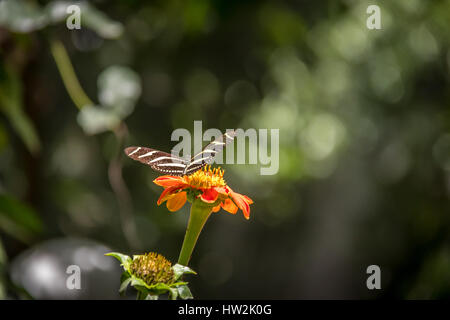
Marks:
<point>76,92</point>
<point>80,99</point>
<point>121,190</point>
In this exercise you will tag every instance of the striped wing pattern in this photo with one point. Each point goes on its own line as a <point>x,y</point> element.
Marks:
<point>157,160</point>
<point>168,164</point>
<point>206,156</point>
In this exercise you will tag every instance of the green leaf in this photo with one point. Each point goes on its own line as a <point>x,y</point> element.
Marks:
<point>11,104</point>
<point>125,260</point>
<point>161,287</point>
<point>136,282</point>
<point>18,219</point>
<point>173,294</point>
<point>184,292</point>
<point>180,270</point>
<point>125,280</point>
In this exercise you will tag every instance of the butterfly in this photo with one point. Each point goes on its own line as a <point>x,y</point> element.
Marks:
<point>166,163</point>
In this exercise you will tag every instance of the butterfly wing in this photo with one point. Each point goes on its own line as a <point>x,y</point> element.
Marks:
<point>206,156</point>
<point>159,161</point>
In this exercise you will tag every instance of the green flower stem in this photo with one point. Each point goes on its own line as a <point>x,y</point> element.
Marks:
<point>200,212</point>
<point>140,295</point>
<point>76,92</point>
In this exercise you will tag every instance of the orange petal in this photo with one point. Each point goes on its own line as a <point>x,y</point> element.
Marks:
<point>169,181</point>
<point>165,195</point>
<point>222,190</point>
<point>216,208</point>
<point>241,202</point>
<point>176,201</point>
<point>247,199</point>
<point>209,195</point>
<point>229,206</point>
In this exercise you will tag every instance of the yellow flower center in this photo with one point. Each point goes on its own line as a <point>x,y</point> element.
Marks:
<point>206,178</point>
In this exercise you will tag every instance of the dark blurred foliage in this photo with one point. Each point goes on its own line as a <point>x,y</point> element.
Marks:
<point>364,141</point>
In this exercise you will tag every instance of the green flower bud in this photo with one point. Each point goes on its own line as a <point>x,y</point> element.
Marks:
<point>152,268</point>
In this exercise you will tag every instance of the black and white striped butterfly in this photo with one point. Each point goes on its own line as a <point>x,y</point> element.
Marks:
<point>166,163</point>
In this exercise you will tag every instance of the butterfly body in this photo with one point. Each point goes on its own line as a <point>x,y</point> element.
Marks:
<point>168,164</point>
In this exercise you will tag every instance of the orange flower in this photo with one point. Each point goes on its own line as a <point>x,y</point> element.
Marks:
<point>207,185</point>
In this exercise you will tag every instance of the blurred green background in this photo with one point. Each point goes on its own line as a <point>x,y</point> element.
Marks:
<point>364,144</point>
